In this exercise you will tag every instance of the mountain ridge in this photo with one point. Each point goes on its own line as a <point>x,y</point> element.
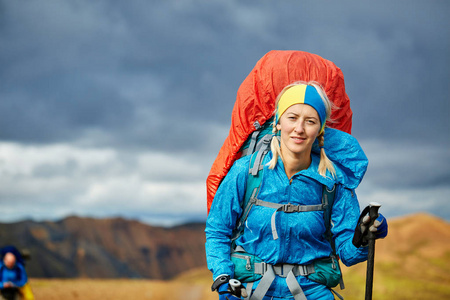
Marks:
<point>106,248</point>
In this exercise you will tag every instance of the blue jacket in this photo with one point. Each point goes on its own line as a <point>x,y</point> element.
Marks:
<point>17,275</point>
<point>301,238</point>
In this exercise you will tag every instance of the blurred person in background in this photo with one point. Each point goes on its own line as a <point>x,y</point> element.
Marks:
<point>13,277</point>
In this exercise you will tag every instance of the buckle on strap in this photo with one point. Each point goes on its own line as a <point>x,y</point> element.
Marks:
<point>261,268</point>
<point>304,270</point>
<point>283,270</point>
<point>290,208</point>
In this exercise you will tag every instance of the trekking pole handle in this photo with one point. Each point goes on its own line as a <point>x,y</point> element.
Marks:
<point>234,283</point>
<point>237,288</point>
<point>373,214</point>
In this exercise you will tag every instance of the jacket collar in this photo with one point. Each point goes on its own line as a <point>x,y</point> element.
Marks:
<point>344,151</point>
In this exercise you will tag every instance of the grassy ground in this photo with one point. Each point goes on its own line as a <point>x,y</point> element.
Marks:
<point>117,289</point>
<point>388,285</point>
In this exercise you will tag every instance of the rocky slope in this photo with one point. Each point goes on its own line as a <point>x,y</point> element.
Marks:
<point>106,248</point>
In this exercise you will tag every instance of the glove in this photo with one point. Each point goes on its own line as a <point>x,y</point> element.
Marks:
<point>226,293</point>
<point>379,228</point>
<point>228,289</point>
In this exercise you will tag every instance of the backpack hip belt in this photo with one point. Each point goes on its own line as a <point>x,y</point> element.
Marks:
<point>287,271</point>
<point>255,269</point>
<point>282,270</point>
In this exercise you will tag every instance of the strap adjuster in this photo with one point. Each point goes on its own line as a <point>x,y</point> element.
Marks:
<point>290,208</point>
<point>264,267</point>
<point>261,268</point>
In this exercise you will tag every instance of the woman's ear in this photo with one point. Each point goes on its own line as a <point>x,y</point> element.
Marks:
<point>278,127</point>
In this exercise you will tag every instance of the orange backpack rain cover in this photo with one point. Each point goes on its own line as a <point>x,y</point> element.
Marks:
<point>256,96</point>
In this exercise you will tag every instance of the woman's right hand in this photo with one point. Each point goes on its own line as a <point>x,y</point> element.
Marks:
<point>228,289</point>
<point>225,292</point>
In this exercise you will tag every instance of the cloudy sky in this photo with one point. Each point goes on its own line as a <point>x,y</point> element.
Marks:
<point>118,108</point>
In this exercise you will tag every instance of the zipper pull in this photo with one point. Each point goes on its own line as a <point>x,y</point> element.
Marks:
<point>333,263</point>
<point>248,266</point>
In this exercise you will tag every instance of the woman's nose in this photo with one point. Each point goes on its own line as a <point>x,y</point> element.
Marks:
<point>299,127</point>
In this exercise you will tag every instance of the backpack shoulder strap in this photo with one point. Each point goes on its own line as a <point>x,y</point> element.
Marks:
<point>254,180</point>
<point>328,197</point>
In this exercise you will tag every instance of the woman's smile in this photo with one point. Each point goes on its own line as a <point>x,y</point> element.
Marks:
<point>298,140</point>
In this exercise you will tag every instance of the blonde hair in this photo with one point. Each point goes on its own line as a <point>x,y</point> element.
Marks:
<point>325,163</point>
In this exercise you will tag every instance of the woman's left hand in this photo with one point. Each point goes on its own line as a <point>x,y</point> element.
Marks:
<point>379,228</point>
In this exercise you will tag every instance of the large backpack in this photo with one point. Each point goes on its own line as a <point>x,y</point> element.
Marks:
<point>255,104</point>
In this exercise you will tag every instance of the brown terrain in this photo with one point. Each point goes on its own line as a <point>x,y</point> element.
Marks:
<point>413,262</point>
<point>106,248</point>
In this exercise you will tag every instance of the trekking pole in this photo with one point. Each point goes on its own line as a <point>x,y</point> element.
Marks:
<point>373,214</point>
<point>237,288</point>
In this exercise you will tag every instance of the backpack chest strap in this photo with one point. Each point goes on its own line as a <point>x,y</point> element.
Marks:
<point>286,208</point>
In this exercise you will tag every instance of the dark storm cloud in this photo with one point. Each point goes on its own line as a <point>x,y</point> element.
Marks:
<point>407,166</point>
<point>96,67</point>
<point>69,68</point>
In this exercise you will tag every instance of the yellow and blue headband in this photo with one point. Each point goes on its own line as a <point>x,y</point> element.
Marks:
<point>302,94</point>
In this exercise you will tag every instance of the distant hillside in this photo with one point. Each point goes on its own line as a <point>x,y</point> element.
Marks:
<point>106,248</point>
<point>412,262</point>
<point>419,245</point>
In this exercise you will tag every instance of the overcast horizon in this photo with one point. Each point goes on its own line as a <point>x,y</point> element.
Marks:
<point>112,108</point>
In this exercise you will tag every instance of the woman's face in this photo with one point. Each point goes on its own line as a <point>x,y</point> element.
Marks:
<point>299,127</point>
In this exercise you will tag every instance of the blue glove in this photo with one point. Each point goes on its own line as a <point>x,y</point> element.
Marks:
<point>228,289</point>
<point>379,227</point>
<point>225,292</point>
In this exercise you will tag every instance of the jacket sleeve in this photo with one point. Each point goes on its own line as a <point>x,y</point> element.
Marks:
<point>344,218</point>
<point>222,218</point>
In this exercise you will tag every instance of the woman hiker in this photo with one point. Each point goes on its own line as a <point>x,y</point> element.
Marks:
<point>283,241</point>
